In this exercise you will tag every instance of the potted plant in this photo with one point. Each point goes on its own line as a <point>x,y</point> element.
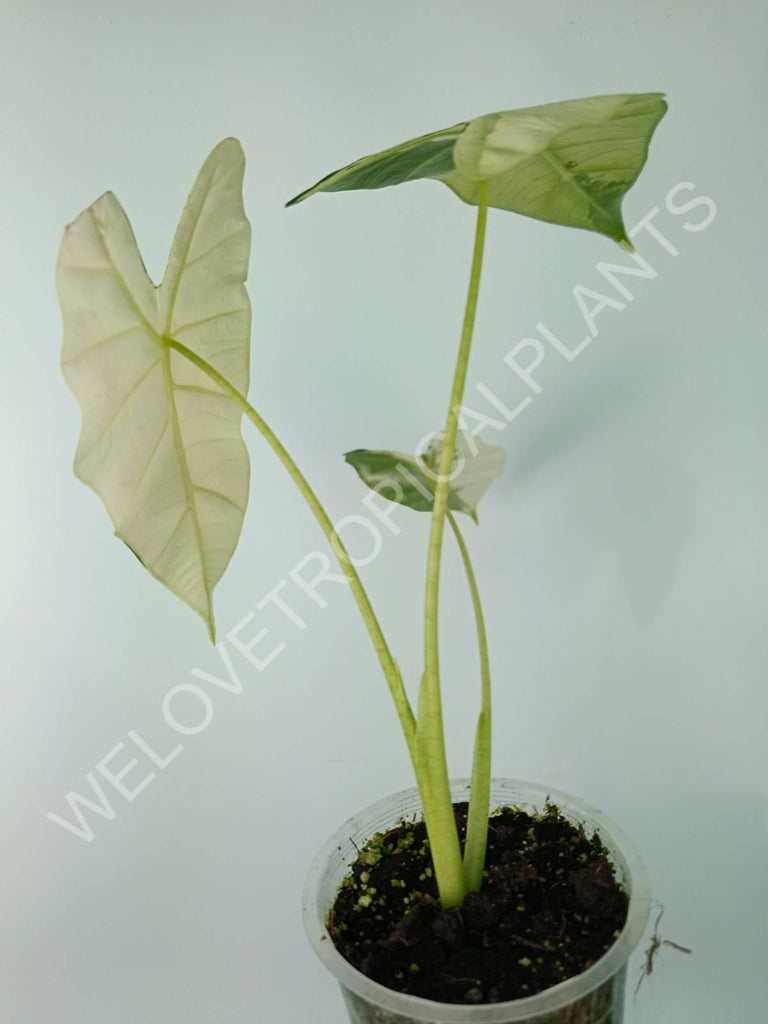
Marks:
<point>161,374</point>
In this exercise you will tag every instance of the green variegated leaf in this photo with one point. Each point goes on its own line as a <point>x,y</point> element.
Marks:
<point>160,442</point>
<point>567,163</point>
<point>410,481</point>
<point>428,156</point>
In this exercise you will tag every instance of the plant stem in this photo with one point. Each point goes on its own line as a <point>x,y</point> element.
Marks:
<point>432,766</point>
<point>448,451</point>
<point>388,663</point>
<point>480,790</point>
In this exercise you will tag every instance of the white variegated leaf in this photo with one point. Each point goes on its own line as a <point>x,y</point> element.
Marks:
<point>160,442</point>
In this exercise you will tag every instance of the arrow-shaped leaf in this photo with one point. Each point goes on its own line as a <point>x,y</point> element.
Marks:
<point>567,163</point>
<point>409,480</point>
<point>160,442</point>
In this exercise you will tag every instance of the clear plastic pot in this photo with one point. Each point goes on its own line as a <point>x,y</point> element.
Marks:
<point>594,997</point>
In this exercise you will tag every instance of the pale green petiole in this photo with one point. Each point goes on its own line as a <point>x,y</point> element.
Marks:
<point>480,789</point>
<point>430,739</point>
<point>388,663</point>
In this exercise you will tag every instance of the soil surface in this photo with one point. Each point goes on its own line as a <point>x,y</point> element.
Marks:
<point>550,907</point>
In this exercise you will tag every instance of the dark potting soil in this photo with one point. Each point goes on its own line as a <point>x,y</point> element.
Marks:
<point>550,907</point>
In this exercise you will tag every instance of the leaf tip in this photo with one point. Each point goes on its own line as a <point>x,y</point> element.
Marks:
<point>300,197</point>
<point>211,629</point>
<point>230,144</point>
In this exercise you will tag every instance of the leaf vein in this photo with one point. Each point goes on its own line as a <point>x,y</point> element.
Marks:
<point>212,186</point>
<point>206,320</point>
<point>172,534</point>
<point>102,341</point>
<point>121,406</point>
<point>145,471</point>
<point>187,480</point>
<point>219,494</point>
<point>123,283</point>
<point>213,248</point>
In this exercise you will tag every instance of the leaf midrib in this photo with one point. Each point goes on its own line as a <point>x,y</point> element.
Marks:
<point>556,163</point>
<point>183,264</point>
<point>168,385</point>
<point>189,488</point>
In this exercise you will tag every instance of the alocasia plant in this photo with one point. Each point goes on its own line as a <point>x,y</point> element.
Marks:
<point>161,374</point>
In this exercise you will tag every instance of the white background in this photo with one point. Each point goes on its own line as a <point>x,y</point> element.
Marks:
<point>622,557</point>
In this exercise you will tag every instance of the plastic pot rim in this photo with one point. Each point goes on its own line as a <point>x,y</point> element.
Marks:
<point>550,1000</point>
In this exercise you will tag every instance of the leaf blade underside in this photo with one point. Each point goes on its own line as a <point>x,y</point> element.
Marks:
<point>160,443</point>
